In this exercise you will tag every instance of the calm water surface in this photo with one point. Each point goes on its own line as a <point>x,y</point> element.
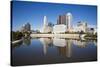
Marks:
<point>53,50</point>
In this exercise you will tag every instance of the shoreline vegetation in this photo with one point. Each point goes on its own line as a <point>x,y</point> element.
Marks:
<point>18,36</point>
<point>91,36</point>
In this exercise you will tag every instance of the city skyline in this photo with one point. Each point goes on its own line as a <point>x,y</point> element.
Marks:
<point>34,12</point>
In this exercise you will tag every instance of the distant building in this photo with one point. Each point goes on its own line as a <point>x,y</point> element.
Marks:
<point>46,27</point>
<point>91,30</point>
<point>95,31</point>
<point>66,20</point>
<point>69,21</point>
<point>59,28</point>
<point>26,28</point>
<point>61,19</point>
<point>81,27</point>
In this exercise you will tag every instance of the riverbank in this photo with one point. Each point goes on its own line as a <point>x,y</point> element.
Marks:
<point>91,36</point>
<point>16,41</point>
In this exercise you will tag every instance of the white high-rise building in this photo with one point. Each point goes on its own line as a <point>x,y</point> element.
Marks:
<point>68,21</point>
<point>46,27</point>
<point>45,21</point>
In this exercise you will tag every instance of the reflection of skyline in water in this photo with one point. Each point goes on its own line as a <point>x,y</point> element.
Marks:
<point>25,42</point>
<point>45,42</point>
<point>64,46</point>
<point>57,42</point>
<point>61,44</point>
<point>51,50</point>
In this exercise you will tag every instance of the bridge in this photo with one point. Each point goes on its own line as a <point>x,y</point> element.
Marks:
<point>72,36</point>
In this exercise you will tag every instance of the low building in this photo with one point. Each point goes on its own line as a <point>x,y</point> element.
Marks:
<point>91,30</point>
<point>47,29</point>
<point>81,27</point>
<point>61,28</point>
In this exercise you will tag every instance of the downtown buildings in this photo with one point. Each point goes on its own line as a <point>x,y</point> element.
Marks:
<point>26,28</point>
<point>64,24</point>
<point>81,27</point>
<point>65,19</point>
<point>46,27</point>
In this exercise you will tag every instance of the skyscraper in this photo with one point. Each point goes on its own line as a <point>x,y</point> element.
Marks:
<point>68,20</point>
<point>65,19</point>
<point>46,27</point>
<point>61,19</point>
<point>45,21</point>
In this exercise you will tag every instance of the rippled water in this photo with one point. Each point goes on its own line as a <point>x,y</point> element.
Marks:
<point>53,50</point>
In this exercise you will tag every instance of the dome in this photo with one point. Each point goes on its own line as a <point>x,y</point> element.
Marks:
<point>69,14</point>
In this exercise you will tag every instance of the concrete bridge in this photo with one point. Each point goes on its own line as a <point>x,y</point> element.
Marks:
<point>73,36</point>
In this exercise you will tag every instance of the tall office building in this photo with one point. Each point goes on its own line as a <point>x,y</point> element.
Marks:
<point>46,27</point>
<point>68,20</point>
<point>61,19</point>
<point>65,19</point>
<point>45,21</point>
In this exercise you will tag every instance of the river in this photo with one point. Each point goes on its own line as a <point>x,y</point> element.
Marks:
<point>33,51</point>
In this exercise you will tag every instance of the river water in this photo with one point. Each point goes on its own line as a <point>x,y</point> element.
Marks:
<point>32,51</point>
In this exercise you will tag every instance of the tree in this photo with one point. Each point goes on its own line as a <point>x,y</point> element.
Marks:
<point>16,35</point>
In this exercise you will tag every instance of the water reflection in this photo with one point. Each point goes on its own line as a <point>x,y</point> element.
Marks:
<point>64,46</point>
<point>80,43</point>
<point>46,42</point>
<point>16,45</point>
<point>51,50</point>
<point>59,42</point>
<point>25,41</point>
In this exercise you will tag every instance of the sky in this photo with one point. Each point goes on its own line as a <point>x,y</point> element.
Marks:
<point>33,13</point>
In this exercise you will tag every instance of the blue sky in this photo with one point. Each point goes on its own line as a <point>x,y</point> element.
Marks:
<point>33,12</point>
